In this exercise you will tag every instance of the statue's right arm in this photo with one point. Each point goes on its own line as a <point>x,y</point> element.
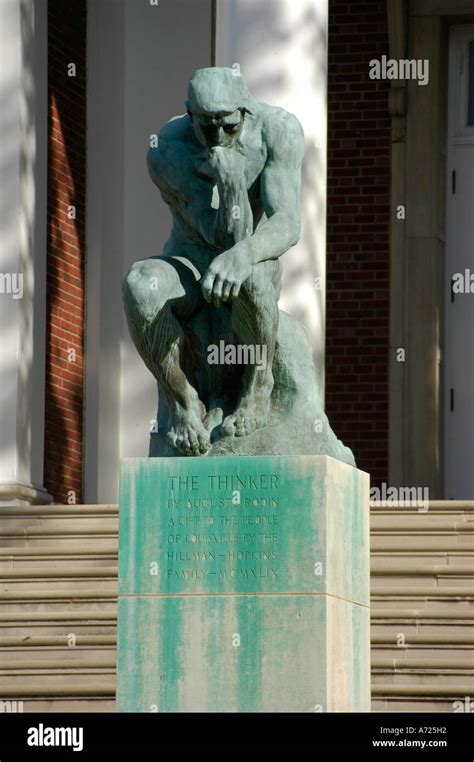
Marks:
<point>157,170</point>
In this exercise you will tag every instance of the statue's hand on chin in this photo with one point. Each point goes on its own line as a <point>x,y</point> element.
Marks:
<point>220,163</point>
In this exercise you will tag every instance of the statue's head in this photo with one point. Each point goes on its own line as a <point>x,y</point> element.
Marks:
<point>218,100</point>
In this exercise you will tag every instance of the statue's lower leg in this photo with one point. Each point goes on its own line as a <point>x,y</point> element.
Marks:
<point>160,344</point>
<point>256,324</point>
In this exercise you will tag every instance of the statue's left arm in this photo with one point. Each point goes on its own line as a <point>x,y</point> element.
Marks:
<point>280,189</point>
<point>280,185</point>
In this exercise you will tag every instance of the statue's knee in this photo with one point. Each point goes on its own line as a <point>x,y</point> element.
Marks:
<point>149,285</point>
<point>132,285</point>
<point>141,289</point>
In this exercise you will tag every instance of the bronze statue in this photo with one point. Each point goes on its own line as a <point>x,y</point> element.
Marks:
<point>206,310</point>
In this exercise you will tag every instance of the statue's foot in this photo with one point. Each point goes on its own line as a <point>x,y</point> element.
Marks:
<point>251,414</point>
<point>187,433</point>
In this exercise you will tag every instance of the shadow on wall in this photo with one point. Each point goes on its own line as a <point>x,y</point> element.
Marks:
<point>66,249</point>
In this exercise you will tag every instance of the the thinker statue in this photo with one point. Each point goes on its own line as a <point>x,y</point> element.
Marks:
<point>230,172</point>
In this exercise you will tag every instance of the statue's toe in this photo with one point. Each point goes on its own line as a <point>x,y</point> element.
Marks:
<point>228,427</point>
<point>204,443</point>
<point>244,425</point>
<point>193,443</point>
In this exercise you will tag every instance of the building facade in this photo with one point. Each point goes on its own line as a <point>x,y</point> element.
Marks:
<point>383,276</point>
<point>381,154</point>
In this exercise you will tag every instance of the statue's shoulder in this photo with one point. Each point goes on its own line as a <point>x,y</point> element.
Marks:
<point>176,130</point>
<point>172,146</point>
<point>280,127</point>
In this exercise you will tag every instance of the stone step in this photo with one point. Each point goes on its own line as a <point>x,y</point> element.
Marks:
<point>462,637</point>
<point>438,608</point>
<point>101,649</point>
<point>59,547</point>
<point>448,507</point>
<point>386,589</point>
<point>48,648</point>
<point>422,523</point>
<point>92,587</point>
<point>411,582</point>
<point>402,637</point>
<point>85,704</point>
<point>412,652</point>
<point>381,565</point>
<point>86,683</point>
<point>436,688</point>
<point>452,558</point>
<point>384,612</point>
<point>82,629</point>
<point>57,610</point>
<point>421,543</point>
<point>59,641</point>
<point>47,568</point>
<point>54,525</point>
<point>57,661</point>
<point>451,663</point>
<point>59,509</point>
<point>417,631</point>
<point>89,619</point>
<point>410,679</point>
<point>435,695</point>
<point>59,527</point>
<point>425,704</point>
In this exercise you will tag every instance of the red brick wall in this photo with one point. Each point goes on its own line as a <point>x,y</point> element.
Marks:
<point>66,250</point>
<point>358,234</point>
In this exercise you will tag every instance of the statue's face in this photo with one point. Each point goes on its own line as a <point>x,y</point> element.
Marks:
<point>217,129</point>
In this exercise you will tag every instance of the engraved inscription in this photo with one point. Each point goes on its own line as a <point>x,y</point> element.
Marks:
<point>223,526</point>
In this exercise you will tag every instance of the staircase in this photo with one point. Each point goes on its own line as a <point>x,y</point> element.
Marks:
<point>422,589</point>
<point>58,592</point>
<point>58,572</point>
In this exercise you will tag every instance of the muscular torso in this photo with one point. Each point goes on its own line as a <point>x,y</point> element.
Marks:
<point>194,199</point>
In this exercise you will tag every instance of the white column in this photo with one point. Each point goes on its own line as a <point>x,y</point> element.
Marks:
<point>281,47</point>
<point>140,59</point>
<point>23,161</point>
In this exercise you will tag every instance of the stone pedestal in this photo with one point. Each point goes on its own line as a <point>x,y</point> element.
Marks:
<point>243,585</point>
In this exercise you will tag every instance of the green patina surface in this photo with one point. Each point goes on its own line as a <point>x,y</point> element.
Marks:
<point>229,599</point>
<point>230,172</point>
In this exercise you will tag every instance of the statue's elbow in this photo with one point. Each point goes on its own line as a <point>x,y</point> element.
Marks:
<point>289,228</point>
<point>295,232</point>
<point>153,163</point>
